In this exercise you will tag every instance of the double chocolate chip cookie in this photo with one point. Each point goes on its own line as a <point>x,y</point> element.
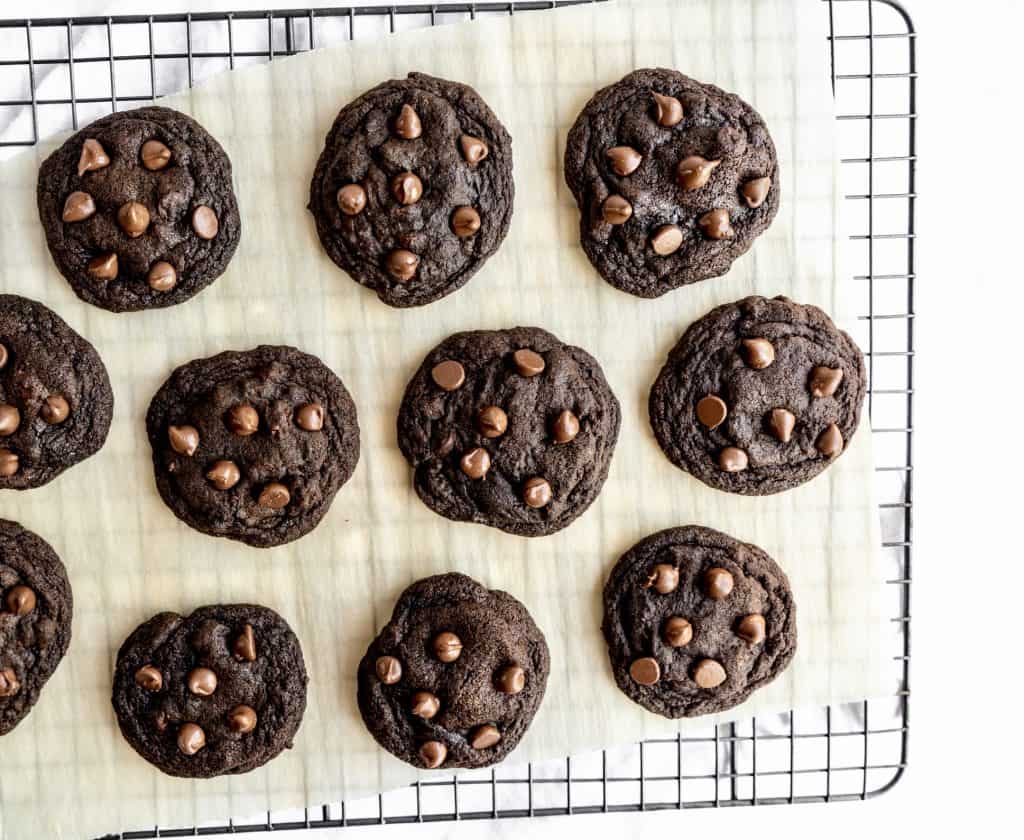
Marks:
<point>759,396</point>
<point>696,621</point>
<point>455,677</point>
<point>139,210</point>
<point>220,691</point>
<point>413,191</point>
<point>253,445</point>
<point>510,428</point>
<point>55,397</point>
<point>674,180</point>
<point>35,620</point>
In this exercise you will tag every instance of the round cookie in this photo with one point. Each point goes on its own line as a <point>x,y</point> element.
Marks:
<point>55,397</point>
<point>413,191</point>
<point>220,691</point>
<point>253,445</point>
<point>456,676</point>
<point>510,428</point>
<point>35,620</point>
<point>674,180</point>
<point>696,621</point>
<point>758,396</point>
<point>139,210</point>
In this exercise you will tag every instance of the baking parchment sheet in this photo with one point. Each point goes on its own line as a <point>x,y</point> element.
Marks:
<point>66,771</point>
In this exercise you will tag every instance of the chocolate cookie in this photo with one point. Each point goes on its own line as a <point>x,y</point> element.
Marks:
<point>138,209</point>
<point>455,677</point>
<point>55,397</point>
<point>696,621</point>
<point>413,191</point>
<point>253,445</point>
<point>759,396</point>
<point>509,428</point>
<point>220,691</point>
<point>674,180</point>
<point>35,620</point>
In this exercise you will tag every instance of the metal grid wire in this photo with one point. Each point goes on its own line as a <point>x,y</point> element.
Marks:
<point>853,751</point>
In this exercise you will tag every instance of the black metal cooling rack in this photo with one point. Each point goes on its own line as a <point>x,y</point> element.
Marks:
<point>71,71</point>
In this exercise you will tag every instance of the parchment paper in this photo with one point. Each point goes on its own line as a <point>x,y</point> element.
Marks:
<point>66,771</point>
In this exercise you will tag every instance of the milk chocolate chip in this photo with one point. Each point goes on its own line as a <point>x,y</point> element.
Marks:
<point>667,240</point>
<point>20,600</point>
<point>389,669</point>
<point>8,462</point>
<point>474,150</point>
<point>694,172</point>
<point>716,224</point>
<point>242,719</point>
<point>447,646</point>
<point>616,210</point>
<point>352,199</point>
<point>162,277</point>
<point>465,222</point>
<point>484,737</point>
<point>103,267</point>
<point>830,441</point>
<point>205,222</point>
<point>9,684</point>
<point>93,157</point>
<point>756,191</point>
<point>183,439</point>
<point>678,632</point>
<point>407,188</point>
<point>191,738</point>
<point>10,419</point>
<point>511,680</point>
<point>78,207</point>
<point>433,754</point>
<point>425,705</point>
<point>782,422</point>
<point>668,110</point>
<point>133,217</point>
<point>566,427</point>
<point>825,381</point>
<point>408,125</point>
<point>624,160</point>
<point>149,678</point>
<point>224,475</point>
<point>402,265</point>
<point>475,463</point>
<point>528,363</point>
<point>243,420</point>
<point>448,375</point>
<point>718,583</point>
<point>310,417</point>
<point>202,681</point>
<point>491,421</point>
<point>274,496</point>
<point>537,492</point>
<point>759,352</point>
<point>645,671</point>
<point>54,410</point>
<point>751,629</point>
<point>244,647</point>
<point>155,155</point>
<point>708,673</point>
<point>732,459</point>
<point>712,411</point>
<point>663,578</point>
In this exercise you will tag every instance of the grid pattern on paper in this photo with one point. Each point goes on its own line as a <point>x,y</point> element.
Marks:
<point>834,753</point>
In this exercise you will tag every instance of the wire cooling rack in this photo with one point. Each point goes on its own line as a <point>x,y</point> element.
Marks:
<point>851,751</point>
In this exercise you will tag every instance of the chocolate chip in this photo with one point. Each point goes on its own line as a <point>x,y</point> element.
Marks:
<point>668,110</point>
<point>202,681</point>
<point>475,463</point>
<point>243,420</point>
<point>310,417</point>
<point>9,684</point>
<point>491,421</point>
<point>133,217</point>
<point>149,678</point>
<point>527,362</point>
<point>782,422</point>
<point>407,188</point>
<point>224,475</point>
<point>732,459</point>
<point>708,674</point>
<point>751,629</point>
<point>756,191</point>
<point>425,705</point>
<point>433,754</point>
<point>566,427</point>
<point>712,411</point>
<point>824,381</point>
<point>759,352</point>
<point>155,155</point>
<point>536,492</point>
<point>447,646</point>
<point>352,199</point>
<point>183,439</point>
<point>20,600</point>
<point>510,680</point>
<point>663,578</point>
<point>448,375</point>
<point>191,738</point>
<point>616,210</point>
<point>830,441</point>
<point>205,222</point>
<point>162,277</point>
<point>4,356</point>
<point>667,240</point>
<point>465,222</point>
<point>645,671</point>
<point>10,419</point>
<point>242,719</point>
<point>694,172</point>
<point>389,669</point>
<point>78,207</point>
<point>55,409</point>
<point>716,224</point>
<point>103,267</point>
<point>274,496</point>
<point>474,150</point>
<point>624,159</point>
<point>677,632</point>
<point>8,463</point>
<point>160,722</point>
<point>484,737</point>
<point>244,647</point>
<point>93,157</point>
<point>718,583</point>
<point>402,265</point>
<point>408,125</point>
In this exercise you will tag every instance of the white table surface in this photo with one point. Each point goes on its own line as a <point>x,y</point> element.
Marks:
<point>965,737</point>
